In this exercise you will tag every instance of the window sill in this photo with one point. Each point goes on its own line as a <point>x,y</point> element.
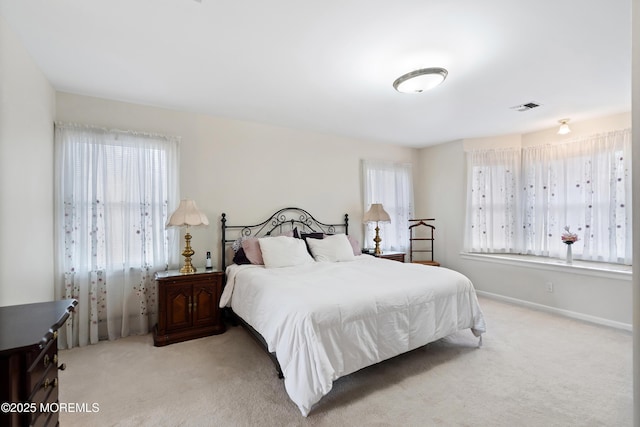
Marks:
<point>589,268</point>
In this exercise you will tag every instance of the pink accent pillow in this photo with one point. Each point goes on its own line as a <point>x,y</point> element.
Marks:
<point>252,250</point>
<point>357,250</point>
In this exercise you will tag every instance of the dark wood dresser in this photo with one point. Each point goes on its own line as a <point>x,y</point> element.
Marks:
<point>188,306</point>
<point>29,361</point>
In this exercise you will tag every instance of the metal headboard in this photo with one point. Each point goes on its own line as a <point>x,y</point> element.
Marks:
<point>280,221</point>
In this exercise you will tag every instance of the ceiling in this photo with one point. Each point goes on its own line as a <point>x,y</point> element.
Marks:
<point>328,66</point>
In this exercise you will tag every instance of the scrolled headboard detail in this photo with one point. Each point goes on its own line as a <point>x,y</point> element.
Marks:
<point>280,221</point>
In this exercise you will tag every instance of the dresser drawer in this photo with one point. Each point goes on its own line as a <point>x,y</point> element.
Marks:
<point>41,365</point>
<point>42,380</point>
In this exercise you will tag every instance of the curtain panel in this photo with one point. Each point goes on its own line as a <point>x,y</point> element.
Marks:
<point>392,185</point>
<point>113,191</point>
<point>493,219</point>
<point>521,200</point>
<point>584,184</point>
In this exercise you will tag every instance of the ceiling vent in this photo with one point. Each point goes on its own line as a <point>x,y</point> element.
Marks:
<point>525,107</point>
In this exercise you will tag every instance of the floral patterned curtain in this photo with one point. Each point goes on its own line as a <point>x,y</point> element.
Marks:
<point>113,192</point>
<point>493,219</point>
<point>521,200</point>
<point>583,184</point>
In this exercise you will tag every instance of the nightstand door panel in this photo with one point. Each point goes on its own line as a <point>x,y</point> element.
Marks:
<point>179,306</point>
<point>205,309</point>
<point>188,306</point>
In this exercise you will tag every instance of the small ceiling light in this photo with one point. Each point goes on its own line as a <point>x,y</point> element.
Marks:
<point>420,80</point>
<point>564,127</point>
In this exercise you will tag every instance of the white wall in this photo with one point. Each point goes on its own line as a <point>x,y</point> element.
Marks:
<point>247,170</point>
<point>440,193</point>
<point>26,176</point>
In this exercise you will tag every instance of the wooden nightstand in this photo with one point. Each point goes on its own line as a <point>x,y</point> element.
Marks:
<point>395,256</point>
<point>188,306</point>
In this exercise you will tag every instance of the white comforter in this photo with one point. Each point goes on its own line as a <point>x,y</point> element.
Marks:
<point>326,320</point>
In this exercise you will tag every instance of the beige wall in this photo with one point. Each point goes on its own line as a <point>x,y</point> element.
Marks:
<point>26,173</point>
<point>247,170</point>
<point>440,193</point>
<point>578,130</point>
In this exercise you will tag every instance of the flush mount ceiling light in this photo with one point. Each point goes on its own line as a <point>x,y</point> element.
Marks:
<point>420,80</point>
<point>564,127</point>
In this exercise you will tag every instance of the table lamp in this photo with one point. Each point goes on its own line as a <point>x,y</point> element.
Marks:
<point>377,214</point>
<point>187,215</point>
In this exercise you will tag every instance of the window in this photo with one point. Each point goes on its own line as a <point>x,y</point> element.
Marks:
<point>520,201</point>
<point>392,185</point>
<point>113,193</point>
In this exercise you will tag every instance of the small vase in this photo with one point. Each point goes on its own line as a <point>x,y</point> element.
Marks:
<point>569,254</point>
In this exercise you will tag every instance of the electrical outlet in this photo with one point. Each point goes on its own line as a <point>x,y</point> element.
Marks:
<point>549,286</point>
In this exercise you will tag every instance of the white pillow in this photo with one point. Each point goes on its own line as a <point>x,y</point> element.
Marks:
<point>283,251</point>
<point>332,248</point>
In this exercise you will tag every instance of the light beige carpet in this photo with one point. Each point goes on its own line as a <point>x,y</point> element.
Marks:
<point>534,369</point>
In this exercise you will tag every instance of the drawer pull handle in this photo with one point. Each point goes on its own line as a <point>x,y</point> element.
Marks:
<point>46,360</point>
<point>51,384</point>
<point>55,358</point>
<point>55,334</point>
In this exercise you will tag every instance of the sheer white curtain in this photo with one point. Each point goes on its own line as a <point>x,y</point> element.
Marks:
<point>113,190</point>
<point>521,203</point>
<point>584,184</point>
<point>392,185</point>
<point>492,216</point>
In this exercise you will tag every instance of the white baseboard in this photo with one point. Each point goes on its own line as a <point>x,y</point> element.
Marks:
<point>566,313</point>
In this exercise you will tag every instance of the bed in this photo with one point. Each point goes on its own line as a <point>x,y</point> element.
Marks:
<point>331,313</point>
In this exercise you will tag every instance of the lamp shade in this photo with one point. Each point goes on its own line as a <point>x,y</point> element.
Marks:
<point>376,213</point>
<point>187,214</point>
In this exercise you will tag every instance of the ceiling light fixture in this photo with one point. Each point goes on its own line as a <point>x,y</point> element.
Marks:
<point>564,127</point>
<point>420,80</point>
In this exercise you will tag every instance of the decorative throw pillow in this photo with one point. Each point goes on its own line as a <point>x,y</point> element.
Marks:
<point>306,236</point>
<point>314,235</point>
<point>252,250</point>
<point>283,251</point>
<point>240,257</point>
<point>237,244</point>
<point>357,249</point>
<point>333,248</point>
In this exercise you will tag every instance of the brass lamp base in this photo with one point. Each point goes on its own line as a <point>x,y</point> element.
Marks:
<point>187,268</point>
<point>377,240</point>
